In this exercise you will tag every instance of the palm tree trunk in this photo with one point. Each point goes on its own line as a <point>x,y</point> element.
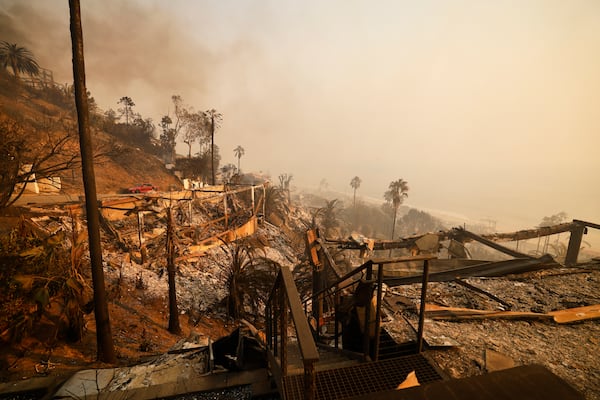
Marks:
<point>212,147</point>
<point>105,347</point>
<point>238,171</point>
<point>394,223</point>
<point>393,227</point>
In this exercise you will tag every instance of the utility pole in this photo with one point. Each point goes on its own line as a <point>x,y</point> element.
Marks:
<point>105,347</point>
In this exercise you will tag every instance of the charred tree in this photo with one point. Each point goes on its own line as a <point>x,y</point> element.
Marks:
<point>212,148</point>
<point>106,352</point>
<point>174,326</point>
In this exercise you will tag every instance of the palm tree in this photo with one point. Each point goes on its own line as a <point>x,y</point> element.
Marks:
<point>329,216</point>
<point>397,191</point>
<point>18,58</point>
<point>215,119</point>
<point>248,277</point>
<point>275,202</point>
<point>227,172</point>
<point>104,340</point>
<point>239,152</point>
<point>355,183</point>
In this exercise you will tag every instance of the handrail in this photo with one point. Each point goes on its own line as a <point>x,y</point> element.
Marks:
<point>284,295</point>
<point>334,289</point>
<point>365,266</point>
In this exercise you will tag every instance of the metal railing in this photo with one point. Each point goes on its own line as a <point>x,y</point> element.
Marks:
<point>366,272</point>
<point>284,301</point>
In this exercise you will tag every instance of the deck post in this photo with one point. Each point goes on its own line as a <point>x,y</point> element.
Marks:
<point>422,305</point>
<point>577,232</point>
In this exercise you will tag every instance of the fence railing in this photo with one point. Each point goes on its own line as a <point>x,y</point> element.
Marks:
<point>371,327</point>
<point>283,302</point>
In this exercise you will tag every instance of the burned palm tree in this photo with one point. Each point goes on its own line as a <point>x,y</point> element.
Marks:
<point>275,202</point>
<point>248,276</point>
<point>325,217</point>
<point>330,218</point>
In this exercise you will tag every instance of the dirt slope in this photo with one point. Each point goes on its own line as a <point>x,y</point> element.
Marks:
<point>120,166</point>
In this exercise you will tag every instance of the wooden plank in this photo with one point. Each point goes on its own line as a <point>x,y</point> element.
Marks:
<point>495,361</point>
<point>311,242</point>
<point>560,316</point>
<point>438,312</point>
<point>576,314</point>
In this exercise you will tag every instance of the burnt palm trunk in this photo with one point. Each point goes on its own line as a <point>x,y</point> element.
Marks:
<point>174,326</point>
<point>212,147</point>
<point>106,352</point>
<point>393,227</point>
<point>394,223</point>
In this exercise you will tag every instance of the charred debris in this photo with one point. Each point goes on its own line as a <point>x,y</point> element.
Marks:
<point>421,302</point>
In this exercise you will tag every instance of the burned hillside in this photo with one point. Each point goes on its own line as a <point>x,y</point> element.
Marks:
<point>471,322</point>
<point>40,123</point>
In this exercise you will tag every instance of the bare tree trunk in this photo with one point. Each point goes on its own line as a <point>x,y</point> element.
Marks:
<point>393,228</point>
<point>174,326</point>
<point>394,223</point>
<point>105,347</point>
<point>212,147</point>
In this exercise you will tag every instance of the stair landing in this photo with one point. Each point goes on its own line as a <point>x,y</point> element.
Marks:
<point>338,382</point>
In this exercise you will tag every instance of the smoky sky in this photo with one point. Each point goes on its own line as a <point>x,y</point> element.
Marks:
<point>487,109</point>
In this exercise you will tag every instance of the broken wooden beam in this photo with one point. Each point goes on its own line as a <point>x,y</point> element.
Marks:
<point>566,316</point>
<point>483,292</point>
<point>529,233</point>
<point>463,233</point>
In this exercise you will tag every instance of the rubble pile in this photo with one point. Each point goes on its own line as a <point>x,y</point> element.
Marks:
<point>134,256</point>
<point>461,348</point>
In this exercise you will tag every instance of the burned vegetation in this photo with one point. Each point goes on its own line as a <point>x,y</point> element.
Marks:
<point>429,302</point>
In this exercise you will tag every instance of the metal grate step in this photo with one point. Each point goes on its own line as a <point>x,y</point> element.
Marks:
<point>362,378</point>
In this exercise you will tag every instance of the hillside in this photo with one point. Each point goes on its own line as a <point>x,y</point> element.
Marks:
<point>47,327</point>
<point>47,113</point>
